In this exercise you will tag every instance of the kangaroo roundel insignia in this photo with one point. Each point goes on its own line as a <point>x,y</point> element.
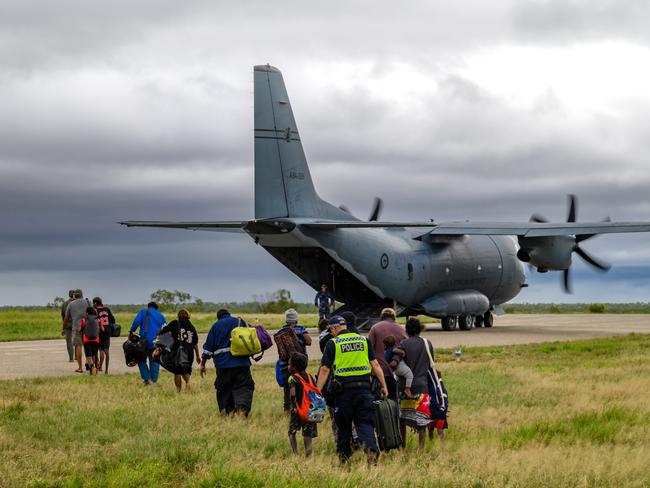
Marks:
<point>384,261</point>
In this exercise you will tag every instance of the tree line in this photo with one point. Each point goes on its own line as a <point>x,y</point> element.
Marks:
<point>273,302</point>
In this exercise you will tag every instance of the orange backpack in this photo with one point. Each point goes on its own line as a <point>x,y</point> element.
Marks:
<point>311,407</point>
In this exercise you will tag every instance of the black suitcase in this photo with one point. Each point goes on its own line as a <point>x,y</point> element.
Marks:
<point>116,330</point>
<point>135,351</point>
<point>387,424</point>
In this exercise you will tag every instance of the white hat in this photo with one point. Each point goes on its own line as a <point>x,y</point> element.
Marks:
<point>291,315</point>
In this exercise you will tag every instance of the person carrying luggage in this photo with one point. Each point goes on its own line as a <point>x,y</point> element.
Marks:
<point>387,326</point>
<point>290,338</point>
<point>149,320</point>
<point>351,360</point>
<point>234,383</point>
<point>186,339</point>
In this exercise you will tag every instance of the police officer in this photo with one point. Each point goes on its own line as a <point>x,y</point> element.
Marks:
<point>351,359</point>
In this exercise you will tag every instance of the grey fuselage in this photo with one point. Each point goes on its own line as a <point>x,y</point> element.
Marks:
<point>372,265</point>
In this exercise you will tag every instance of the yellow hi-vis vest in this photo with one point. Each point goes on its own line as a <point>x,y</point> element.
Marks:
<point>351,355</point>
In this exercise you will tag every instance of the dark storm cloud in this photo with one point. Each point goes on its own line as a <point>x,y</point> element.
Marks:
<point>582,20</point>
<point>39,34</point>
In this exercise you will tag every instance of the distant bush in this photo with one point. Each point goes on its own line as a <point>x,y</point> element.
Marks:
<point>597,308</point>
<point>612,308</point>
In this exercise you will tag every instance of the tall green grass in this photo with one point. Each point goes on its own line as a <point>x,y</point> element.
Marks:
<point>22,324</point>
<point>565,414</point>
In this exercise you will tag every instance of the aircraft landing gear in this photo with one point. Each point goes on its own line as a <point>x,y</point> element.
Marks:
<point>478,321</point>
<point>448,323</point>
<point>465,322</point>
<point>488,319</point>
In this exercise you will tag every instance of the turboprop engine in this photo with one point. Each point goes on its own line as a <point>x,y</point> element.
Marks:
<point>554,253</point>
<point>547,253</point>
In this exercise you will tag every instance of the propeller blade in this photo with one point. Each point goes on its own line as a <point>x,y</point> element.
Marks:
<point>567,281</point>
<point>376,210</point>
<point>572,208</point>
<point>540,219</point>
<point>590,260</point>
<point>584,237</point>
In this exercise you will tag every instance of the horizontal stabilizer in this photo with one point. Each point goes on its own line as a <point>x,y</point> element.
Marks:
<point>227,226</point>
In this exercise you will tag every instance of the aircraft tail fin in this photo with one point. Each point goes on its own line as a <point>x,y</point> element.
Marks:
<point>283,184</point>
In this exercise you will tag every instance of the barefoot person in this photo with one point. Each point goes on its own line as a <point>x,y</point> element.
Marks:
<point>299,376</point>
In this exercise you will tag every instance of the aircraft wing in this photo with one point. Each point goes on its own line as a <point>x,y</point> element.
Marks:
<point>224,226</point>
<point>522,229</point>
<point>537,229</point>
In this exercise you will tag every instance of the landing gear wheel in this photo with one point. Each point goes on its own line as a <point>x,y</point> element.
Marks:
<point>488,319</point>
<point>465,322</point>
<point>448,323</point>
<point>478,321</point>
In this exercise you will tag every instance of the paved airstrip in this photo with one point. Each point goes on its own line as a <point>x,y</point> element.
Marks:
<point>49,358</point>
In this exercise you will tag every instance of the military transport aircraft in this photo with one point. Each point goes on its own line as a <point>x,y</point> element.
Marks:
<point>460,272</point>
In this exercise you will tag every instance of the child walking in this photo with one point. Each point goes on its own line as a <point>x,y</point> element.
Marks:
<point>297,368</point>
<point>438,416</point>
<point>90,329</point>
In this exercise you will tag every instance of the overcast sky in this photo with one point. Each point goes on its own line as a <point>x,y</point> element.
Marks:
<point>448,110</point>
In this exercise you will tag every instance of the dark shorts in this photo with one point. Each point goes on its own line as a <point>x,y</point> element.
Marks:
<point>296,424</point>
<point>104,341</point>
<point>182,371</point>
<point>235,387</point>
<point>91,348</point>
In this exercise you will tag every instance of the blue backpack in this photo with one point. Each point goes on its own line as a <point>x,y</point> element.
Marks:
<point>279,377</point>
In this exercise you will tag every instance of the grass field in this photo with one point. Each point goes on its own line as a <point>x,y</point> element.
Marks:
<point>23,325</point>
<point>560,414</point>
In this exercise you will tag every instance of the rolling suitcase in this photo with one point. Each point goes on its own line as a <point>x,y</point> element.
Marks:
<point>387,424</point>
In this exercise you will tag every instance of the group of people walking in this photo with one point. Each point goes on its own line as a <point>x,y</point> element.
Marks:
<point>87,327</point>
<point>348,362</point>
<point>398,358</point>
